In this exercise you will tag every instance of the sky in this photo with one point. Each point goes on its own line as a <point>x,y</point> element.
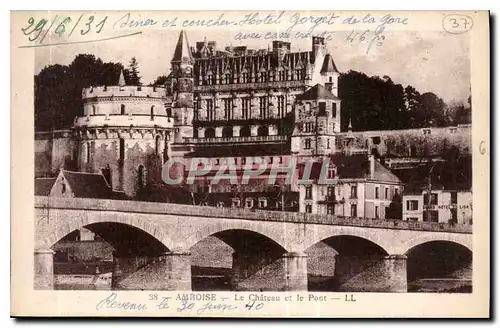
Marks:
<point>431,61</point>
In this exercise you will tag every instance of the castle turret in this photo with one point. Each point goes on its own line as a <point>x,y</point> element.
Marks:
<point>121,79</point>
<point>182,72</point>
<point>317,122</point>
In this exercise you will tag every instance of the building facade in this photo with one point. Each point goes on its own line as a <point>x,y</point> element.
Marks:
<point>234,106</point>
<point>446,206</point>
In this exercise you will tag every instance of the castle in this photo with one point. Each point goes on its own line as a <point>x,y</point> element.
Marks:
<point>233,105</point>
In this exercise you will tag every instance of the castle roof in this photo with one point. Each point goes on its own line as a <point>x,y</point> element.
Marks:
<point>355,167</point>
<point>182,49</point>
<point>329,65</point>
<point>316,92</point>
<point>87,185</point>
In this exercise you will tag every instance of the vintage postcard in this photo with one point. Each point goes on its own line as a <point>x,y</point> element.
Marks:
<point>250,164</point>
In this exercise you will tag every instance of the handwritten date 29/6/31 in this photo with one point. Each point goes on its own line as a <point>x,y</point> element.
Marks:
<point>37,30</point>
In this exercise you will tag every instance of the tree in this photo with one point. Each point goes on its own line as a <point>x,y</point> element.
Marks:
<point>58,89</point>
<point>432,109</point>
<point>395,209</point>
<point>133,77</point>
<point>160,81</point>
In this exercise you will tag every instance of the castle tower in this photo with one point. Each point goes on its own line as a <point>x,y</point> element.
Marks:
<point>183,79</point>
<point>123,133</point>
<point>317,122</point>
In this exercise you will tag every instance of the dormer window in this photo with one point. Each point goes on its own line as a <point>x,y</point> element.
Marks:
<point>63,186</point>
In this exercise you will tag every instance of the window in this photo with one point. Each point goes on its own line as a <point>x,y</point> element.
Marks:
<point>453,197</point>
<point>377,193</point>
<point>376,140</point>
<point>331,173</point>
<point>427,131</point>
<point>263,131</point>
<point>63,186</point>
<point>141,176</point>
<point>228,109</point>
<point>227,132</point>
<point>454,218</point>
<point>281,75</point>
<point>209,79</point>
<point>227,78</point>
<point>322,108</point>
<point>431,216</point>
<point>152,113</point>
<point>412,205</point>
<point>308,208</point>
<point>334,109</point>
<point>281,106</point>
<point>262,202</point>
<point>386,193</point>
<point>263,107</point>
<point>309,127</point>
<point>307,143</point>
<point>93,109</point>
<point>263,77</point>
<point>327,143</point>
<point>249,203</point>
<point>210,109</point>
<point>85,152</point>
<point>245,131</point>
<point>433,199</point>
<point>210,133</point>
<point>157,145</point>
<point>377,212</point>
<point>354,191</point>
<point>330,79</point>
<point>244,78</point>
<point>354,210</point>
<point>245,107</point>
<point>330,192</point>
<point>308,192</point>
<point>235,202</point>
<point>330,209</point>
<point>196,107</point>
<point>122,109</point>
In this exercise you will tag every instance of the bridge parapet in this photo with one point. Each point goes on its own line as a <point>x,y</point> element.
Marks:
<point>42,202</point>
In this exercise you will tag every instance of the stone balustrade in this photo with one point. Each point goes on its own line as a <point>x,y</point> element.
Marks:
<point>42,202</point>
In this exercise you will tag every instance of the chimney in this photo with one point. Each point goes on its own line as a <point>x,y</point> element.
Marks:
<point>371,160</point>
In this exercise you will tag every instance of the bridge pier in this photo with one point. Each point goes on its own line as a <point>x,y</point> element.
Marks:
<point>169,271</point>
<point>44,269</point>
<point>254,272</point>
<point>386,274</point>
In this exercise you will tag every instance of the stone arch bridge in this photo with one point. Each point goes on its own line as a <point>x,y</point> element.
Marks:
<point>270,247</point>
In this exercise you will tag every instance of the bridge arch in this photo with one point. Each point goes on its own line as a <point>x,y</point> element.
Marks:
<point>64,229</point>
<point>318,235</point>
<point>460,239</point>
<point>254,227</point>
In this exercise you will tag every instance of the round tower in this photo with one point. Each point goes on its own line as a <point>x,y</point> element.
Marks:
<point>124,134</point>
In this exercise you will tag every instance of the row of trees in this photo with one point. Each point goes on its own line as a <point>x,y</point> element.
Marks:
<point>373,103</point>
